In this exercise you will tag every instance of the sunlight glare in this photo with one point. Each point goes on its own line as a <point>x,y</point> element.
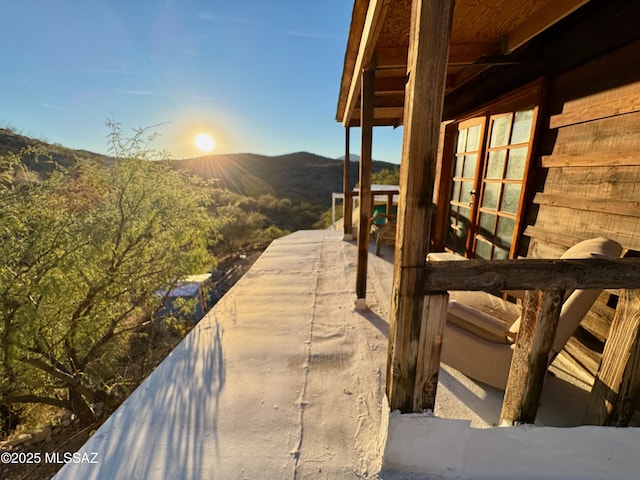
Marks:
<point>205,142</point>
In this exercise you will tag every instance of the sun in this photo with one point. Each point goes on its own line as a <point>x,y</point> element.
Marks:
<point>205,142</point>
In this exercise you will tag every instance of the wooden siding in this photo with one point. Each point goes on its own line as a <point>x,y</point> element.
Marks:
<point>589,175</point>
<point>588,179</point>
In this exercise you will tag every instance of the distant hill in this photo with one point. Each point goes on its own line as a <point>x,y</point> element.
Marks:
<point>11,142</point>
<point>300,176</point>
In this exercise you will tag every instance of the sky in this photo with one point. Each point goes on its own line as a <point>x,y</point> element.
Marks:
<point>258,76</point>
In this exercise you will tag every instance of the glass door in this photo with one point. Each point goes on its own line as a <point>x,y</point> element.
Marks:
<point>491,158</point>
<point>466,164</point>
<point>502,184</point>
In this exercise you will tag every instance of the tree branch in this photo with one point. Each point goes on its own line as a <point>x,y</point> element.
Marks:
<point>56,402</point>
<point>69,380</point>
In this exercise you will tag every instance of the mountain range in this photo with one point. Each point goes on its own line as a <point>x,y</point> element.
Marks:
<point>300,176</point>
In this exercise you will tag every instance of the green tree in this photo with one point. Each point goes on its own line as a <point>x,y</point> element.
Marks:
<point>82,256</point>
<point>386,176</point>
<point>238,228</point>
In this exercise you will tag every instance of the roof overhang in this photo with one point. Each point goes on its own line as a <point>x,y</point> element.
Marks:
<point>484,34</point>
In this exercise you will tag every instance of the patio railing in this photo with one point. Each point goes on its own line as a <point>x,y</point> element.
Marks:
<point>617,385</point>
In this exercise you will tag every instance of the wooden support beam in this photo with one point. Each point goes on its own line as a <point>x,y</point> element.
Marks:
<point>459,54</point>
<point>434,316</point>
<point>616,390</point>
<point>467,53</point>
<point>393,191</point>
<point>390,203</point>
<point>366,138</point>
<point>427,63</point>
<point>347,206</point>
<point>384,115</point>
<point>542,19</point>
<point>531,356</point>
<point>376,12</point>
<point>530,274</point>
<point>392,85</point>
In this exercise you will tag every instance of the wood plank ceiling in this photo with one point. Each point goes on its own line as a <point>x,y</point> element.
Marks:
<point>484,33</point>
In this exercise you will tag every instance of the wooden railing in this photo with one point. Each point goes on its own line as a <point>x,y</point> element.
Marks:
<point>375,193</point>
<point>617,386</point>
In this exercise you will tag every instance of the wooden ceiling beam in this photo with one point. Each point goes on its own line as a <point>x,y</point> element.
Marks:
<point>385,85</point>
<point>543,18</point>
<point>382,116</point>
<point>373,24</point>
<point>389,100</point>
<point>459,54</point>
<point>450,82</point>
<point>466,75</point>
<point>468,53</point>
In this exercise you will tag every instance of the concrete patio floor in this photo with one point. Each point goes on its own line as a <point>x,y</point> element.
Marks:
<point>284,379</point>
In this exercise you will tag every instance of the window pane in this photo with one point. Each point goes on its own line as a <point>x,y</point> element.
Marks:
<point>465,194</point>
<point>522,126</point>
<point>455,191</point>
<point>500,253</point>
<point>459,163</point>
<point>463,218</point>
<point>487,224</point>
<point>469,169</point>
<point>483,249</point>
<point>495,163</point>
<point>490,195</point>
<point>504,234</point>
<point>515,165</point>
<point>473,137</point>
<point>461,240</point>
<point>510,198</point>
<point>500,131</point>
<point>462,140</point>
<point>453,213</point>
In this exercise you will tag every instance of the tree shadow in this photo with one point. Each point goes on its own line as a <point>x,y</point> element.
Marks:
<point>158,430</point>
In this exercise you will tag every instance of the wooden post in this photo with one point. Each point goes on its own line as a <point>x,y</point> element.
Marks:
<point>390,203</point>
<point>427,64</point>
<point>531,356</point>
<point>347,206</point>
<point>434,316</point>
<point>366,127</point>
<point>616,388</point>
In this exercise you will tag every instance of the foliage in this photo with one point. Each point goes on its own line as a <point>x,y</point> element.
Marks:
<point>82,254</point>
<point>386,176</point>
<point>242,221</point>
<point>327,217</point>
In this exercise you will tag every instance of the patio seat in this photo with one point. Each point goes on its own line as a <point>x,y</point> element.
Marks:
<point>383,228</point>
<point>481,328</point>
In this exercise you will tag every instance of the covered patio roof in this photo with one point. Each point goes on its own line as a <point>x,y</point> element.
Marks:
<point>484,34</point>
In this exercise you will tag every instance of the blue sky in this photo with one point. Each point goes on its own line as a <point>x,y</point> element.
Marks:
<point>259,76</point>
